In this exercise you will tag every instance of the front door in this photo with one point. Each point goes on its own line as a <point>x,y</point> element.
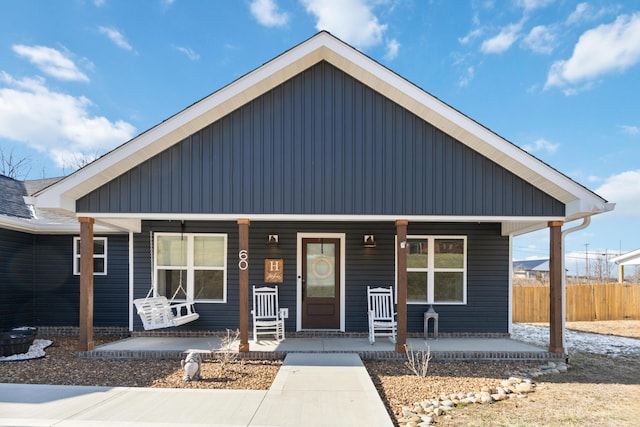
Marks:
<point>321,283</point>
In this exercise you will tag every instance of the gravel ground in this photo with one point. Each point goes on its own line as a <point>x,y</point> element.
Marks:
<point>397,385</point>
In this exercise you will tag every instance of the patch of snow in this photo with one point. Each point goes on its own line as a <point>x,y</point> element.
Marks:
<point>575,341</point>
<point>35,351</point>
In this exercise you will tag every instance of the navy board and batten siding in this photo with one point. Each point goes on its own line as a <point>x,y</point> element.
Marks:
<point>16,278</point>
<point>321,143</point>
<point>40,289</point>
<point>487,271</point>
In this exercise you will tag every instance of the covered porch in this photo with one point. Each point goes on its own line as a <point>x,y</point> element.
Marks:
<point>441,349</point>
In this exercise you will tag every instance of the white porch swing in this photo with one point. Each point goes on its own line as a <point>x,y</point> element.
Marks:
<point>157,311</point>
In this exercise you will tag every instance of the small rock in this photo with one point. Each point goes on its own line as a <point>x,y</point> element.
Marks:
<point>448,403</point>
<point>524,388</point>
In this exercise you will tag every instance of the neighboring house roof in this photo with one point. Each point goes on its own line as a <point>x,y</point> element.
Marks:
<point>578,200</point>
<point>531,265</point>
<point>630,258</point>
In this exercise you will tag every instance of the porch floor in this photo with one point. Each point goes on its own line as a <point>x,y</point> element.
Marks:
<point>441,349</point>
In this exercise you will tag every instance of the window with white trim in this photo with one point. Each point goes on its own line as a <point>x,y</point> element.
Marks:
<point>437,269</point>
<point>191,266</point>
<point>99,256</point>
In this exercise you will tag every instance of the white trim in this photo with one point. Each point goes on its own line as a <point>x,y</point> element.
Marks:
<point>343,268</point>
<point>131,280</point>
<point>40,227</point>
<point>76,256</point>
<point>628,258</point>
<point>320,217</point>
<point>510,309</point>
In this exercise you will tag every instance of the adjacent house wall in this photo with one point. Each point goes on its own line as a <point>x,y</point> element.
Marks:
<point>16,279</point>
<point>39,288</point>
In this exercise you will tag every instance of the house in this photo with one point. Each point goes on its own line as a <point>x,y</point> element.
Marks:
<point>531,268</point>
<point>629,258</point>
<point>39,250</point>
<point>322,172</point>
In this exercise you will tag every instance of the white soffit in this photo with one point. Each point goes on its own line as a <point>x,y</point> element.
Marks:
<point>323,46</point>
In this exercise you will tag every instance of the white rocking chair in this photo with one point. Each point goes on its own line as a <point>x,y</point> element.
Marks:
<point>157,312</point>
<point>381,314</point>
<point>267,316</point>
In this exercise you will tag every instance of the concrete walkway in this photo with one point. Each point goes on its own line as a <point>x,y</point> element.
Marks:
<point>319,389</point>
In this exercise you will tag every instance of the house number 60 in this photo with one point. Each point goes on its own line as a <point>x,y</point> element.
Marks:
<point>243,255</point>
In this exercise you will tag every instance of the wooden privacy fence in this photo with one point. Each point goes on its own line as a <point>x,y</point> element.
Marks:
<point>610,301</point>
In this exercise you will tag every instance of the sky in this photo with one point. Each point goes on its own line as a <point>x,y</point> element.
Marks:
<point>560,79</point>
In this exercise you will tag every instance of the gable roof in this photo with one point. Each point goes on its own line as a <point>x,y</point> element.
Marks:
<point>579,201</point>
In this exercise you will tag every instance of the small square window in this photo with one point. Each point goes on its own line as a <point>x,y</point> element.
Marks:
<point>99,256</point>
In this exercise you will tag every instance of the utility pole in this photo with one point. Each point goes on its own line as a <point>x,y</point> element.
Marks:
<point>586,255</point>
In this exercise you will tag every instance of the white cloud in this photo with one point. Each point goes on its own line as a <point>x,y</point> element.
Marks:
<point>604,49</point>
<point>190,53</point>
<point>541,39</point>
<point>472,35</point>
<point>582,10</point>
<point>350,20</point>
<point>503,41</point>
<point>52,62</point>
<point>393,47</point>
<point>541,145</point>
<point>116,37</point>
<point>55,122</point>
<point>630,130</point>
<point>529,5</point>
<point>623,190</point>
<point>268,14</point>
<point>468,76</point>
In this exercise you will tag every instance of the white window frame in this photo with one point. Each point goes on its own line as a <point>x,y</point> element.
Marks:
<point>76,256</point>
<point>191,267</point>
<point>431,270</point>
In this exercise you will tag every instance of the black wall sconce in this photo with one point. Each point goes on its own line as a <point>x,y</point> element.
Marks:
<point>369,241</point>
<point>272,242</point>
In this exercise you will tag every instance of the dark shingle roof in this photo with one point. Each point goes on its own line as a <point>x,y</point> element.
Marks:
<point>11,198</point>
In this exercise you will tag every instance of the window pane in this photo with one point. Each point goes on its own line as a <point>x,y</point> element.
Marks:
<point>416,286</point>
<point>448,286</point>
<point>209,284</point>
<point>99,246</point>
<point>172,251</point>
<point>449,253</point>
<point>169,282</point>
<point>418,254</point>
<point>209,251</point>
<point>98,265</point>
<point>321,270</point>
